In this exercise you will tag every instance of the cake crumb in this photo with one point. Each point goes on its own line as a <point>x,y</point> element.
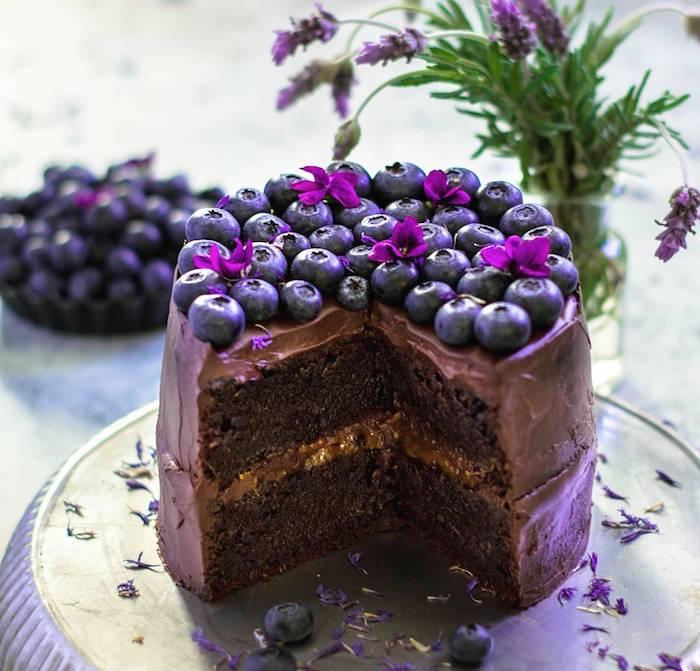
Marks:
<point>137,639</point>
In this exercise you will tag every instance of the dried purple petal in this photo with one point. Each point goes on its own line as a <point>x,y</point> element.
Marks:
<point>73,508</point>
<point>330,597</point>
<point>139,565</point>
<point>80,535</point>
<point>142,460</point>
<point>134,485</point>
<point>603,651</point>
<point>206,645</point>
<point>678,223</point>
<point>622,663</point>
<point>260,342</point>
<point>223,201</point>
<point>471,586</point>
<point>621,607</point>
<point>515,31</point>
<point>388,665</point>
<point>144,517</point>
<point>593,560</point>
<point>667,479</point>
<point>338,632</point>
<point>670,662</point>
<point>590,627</point>
<point>329,650</point>
<point>612,494</point>
<point>354,560</point>
<point>566,594</point>
<point>153,506</point>
<point>599,590</point>
<point>127,590</point>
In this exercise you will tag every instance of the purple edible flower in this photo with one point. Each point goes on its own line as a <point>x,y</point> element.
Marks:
<point>670,662</point>
<point>679,222</point>
<point>612,494</point>
<point>127,590</point>
<point>329,650</point>
<point>133,485</point>
<point>153,505</point>
<point>592,645</point>
<point>590,627</point>
<point>300,85</point>
<point>516,32</point>
<point>261,341</point>
<point>354,560</point>
<point>142,460</point>
<point>621,607</point>
<point>439,192</point>
<point>85,198</point>
<point>138,565</point>
<point>321,26</point>
<point>593,560</point>
<point>330,597</point>
<point>638,526</point>
<point>667,479</point>
<point>230,268</point>
<point>391,47</point>
<point>206,645</point>
<point>566,594</point>
<point>523,258</point>
<point>407,242</point>
<point>603,651</point>
<point>550,28</point>
<point>223,201</point>
<point>340,185</point>
<point>341,87</point>
<point>338,632</point>
<point>622,663</point>
<point>144,517</point>
<point>599,590</point>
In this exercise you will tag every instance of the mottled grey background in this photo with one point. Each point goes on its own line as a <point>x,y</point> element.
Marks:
<point>97,80</point>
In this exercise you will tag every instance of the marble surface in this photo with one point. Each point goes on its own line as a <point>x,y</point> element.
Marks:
<point>95,81</point>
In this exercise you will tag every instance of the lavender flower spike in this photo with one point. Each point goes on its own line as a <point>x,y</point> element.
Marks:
<point>341,87</point>
<point>321,26</point>
<point>302,84</point>
<point>347,138</point>
<point>405,44</point>
<point>550,28</point>
<point>516,32</point>
<point>681,220</point>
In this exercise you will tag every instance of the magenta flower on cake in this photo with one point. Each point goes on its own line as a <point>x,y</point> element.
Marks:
<point>407,243</point>
<point>321,26</point>
<point>339,185</point>
<point>522,258</point>
<point>231,268</point>
<point>439,192</point>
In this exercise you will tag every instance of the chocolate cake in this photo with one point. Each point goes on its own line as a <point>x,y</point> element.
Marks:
<point>302,437</point>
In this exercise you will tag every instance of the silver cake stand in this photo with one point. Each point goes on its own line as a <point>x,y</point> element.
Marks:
<point>59,607</point>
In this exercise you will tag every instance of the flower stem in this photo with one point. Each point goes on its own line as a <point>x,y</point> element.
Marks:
<point>633,18</point>
<point>369,22</point>
<point>663,131</point>
<point>462,34</point>
<point>407,8</point>
<point>381,87</point>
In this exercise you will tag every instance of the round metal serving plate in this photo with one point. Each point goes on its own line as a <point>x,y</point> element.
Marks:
<point>59,607</point>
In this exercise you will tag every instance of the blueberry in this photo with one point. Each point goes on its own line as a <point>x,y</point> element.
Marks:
<point>10,204</point>
<point>35,252</point>
<point>100,249</point>
<point>290,244</point>
<point>57,175</point>
<point>559,240</point>
<point>133,199</point>
<point>353,292</point>
<point>478,260</point>
<point>398,180</point>
<point>198,282</point>
<point>464,178</point>
<point>503,327</point>
<point>408,207</point>
<point>216,319</point>
<point>84,284</point>
<point>454,217</point>
<point>247,202</point>
<point>123,262</point>
<point>289,622</point>
<point>36,200</point>
<point>270,659</point>
<point>363,187</point>
<point>320,267</point>
<point>351,216</point>
<point>264,227</point>
<point>563,273</point>
<point>376,226</point>
<point>185,259</point>
<point>336,239</point>
<point>67,251</point>
<point>45,283</point>
<point>39,227</point>
<point>143,237</point>
<point>300,300</point>
<point>13,231</point>
<point>470,644</point>
<point>121,288</point>
<point>175,225</point>
<point>258,298</point>
<point>454,321</point>
<point>523,218</point>
<point>280,193</point>
<point>484,282</point>
<point>212,224</point>
<point>212,194</point>
<point>157,278</point>
<point>11,270</point>
<point>391,281</point>
<point>172,187</point>
<point>268,263</point>
<point>436,237</point>
<point>424,300</point>
<point>445,265</point>
<point>540,297</point>
<point>107,216</point>
<point>305,219</point>
<point>495,199</point>
<point>474,237</point>
<point>359,262</point>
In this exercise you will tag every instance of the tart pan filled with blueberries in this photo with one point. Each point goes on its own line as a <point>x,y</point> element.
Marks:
<point>96,255</point>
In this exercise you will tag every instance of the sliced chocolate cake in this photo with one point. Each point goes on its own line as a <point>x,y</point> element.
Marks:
<point>334,369</point>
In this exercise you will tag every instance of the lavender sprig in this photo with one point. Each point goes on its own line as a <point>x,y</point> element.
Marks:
<point>550,28</point>
<point>678,223</point>
<point>406,44</point>
<point>321,26</point>
<point>515,31</point>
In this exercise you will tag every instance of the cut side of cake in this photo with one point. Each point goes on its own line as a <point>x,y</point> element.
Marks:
<point>358,421</point>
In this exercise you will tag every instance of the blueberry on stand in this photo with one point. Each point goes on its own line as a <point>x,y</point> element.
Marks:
<point>363,187</point>
<point>212,223</point>
<point>176,224</point>
<point>157,278</point>
<point>359,261</point>
<point>335,238</point>
<point>408,207</point>
<point>470,644</point>
<point>11,270</point>
<point>495,199</point>
<point>424,300</point>
<point>563,273</point>
<point>320,267</point>
<point>107,216</point>
<point>392,280</point>
<point>121,289</point>
<point>185,259</point>
<point>503,327</point>
<point>353,292</point>
<point>376,226</point>
<point>484,282</point>
<point>467,179</point>
<point>559,240</point>
<point>264,227</point>
<point>13,231</point>
<point>123,262</point>
<point>268,263</point>
<point>291,243</point>
<point>398,180</point>
<point>436,237</point>
<point>445,265</point>
<point>269,659</point>
<point>454,217</point>
<point>67,251</point>
<point>454,321</point>
<point>305,219</point>
<point>280,193</point>
<point>45,283</point>
<point>36,252</point>
<point>84,284</point>
<point>540,297</point>
<point>143,236</point>
<point>523,218</point>
<point>194,283</point>
<point>474,237</point>
<point>258,298</point>
<point>247,202</point>
<point>300,300</point>
<point>216,319</point>
<point>289,622</point>
<point>351,216</point>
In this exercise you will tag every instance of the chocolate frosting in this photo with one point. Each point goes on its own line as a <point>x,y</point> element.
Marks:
<point>541,397</point>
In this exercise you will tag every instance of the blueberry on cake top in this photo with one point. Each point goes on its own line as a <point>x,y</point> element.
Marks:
<point>353,354</point>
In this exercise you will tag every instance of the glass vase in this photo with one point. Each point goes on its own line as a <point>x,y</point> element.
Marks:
<point>601,257</point>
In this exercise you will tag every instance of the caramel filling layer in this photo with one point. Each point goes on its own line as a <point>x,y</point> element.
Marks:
<point>377,434</point>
